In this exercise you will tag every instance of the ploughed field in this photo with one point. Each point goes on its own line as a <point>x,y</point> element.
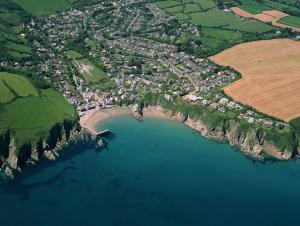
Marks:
<point>270,76</point>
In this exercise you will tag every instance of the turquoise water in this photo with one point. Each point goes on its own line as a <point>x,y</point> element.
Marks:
<point>154,173</point>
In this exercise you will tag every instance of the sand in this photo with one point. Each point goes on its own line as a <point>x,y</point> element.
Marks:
<point>270,76</point>
<point>94,117</point>
<point>156,112</point>
<point>91,120</point>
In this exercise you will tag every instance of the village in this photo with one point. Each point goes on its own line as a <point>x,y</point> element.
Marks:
<point>134,46</point>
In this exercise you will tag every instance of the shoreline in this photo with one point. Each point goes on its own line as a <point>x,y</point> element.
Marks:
<point>91,120</point>
<point>95,117</point>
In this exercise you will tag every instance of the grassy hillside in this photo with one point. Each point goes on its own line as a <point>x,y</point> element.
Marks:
<point>12,44</point>
<point>29,112</point>
<point>15,86</point>
<point>46,7</point>
<point>37,8</point>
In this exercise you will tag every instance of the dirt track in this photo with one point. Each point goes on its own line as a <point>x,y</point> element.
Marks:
<point>270,76</point>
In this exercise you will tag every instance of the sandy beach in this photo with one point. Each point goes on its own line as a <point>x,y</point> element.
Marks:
<point>94,117</point>
<point>156,112</point>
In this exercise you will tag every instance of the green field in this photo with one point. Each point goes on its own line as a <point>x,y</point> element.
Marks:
<point>167,4</point>
<point>18,47</point>
<point>190,8</point>
<point>175,9</point>
<point>220,29</point>
<point>291,21</point>
<point>29,113</point>
<point>254,26</point>
<point>255,8</point>
<point>94,75</point>
<point>182,16</point>
<point>213,18</point>
<point>32,117</point>
<point>38,8</point>
<point>205,4</point>
<point>74,54</point>
<point>13,85</point>
<point>5,94</point>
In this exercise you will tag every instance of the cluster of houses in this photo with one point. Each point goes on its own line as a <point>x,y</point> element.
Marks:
<point>129,49</point>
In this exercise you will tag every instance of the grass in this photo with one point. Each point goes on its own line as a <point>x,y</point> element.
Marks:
<point>175,9</point>
<point>10,18</point>
<point>74,54</point>
<point>191,8</point>
<point>38,8</point>
<point>213,18</point>
<point>19,47</point>
<point>182,16</point>
<point>291,21</point>
<point>254,8</point>
<point>95,75</point>
<point>220,29</point>
<point>32,117</point>
<point>5,94</point>
<point>17,55</point>
<point>211,42</point>
<point>205,4</point>
<point>252,26</point>
<point>167,4</point>
<point>13,85</point>
<point>222,34</point>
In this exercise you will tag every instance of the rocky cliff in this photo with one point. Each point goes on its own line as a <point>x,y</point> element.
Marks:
<point>251,141</point>
<point>14,158</point>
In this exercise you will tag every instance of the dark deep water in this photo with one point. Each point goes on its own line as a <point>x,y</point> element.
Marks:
<point>154,173</point>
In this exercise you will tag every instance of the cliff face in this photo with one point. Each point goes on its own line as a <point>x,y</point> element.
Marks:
<point>13,158</point>
<point>252,142</point>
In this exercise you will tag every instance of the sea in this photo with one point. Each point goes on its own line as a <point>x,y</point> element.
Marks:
<point>153,173</point>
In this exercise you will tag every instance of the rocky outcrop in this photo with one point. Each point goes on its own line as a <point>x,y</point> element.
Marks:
<point>14,159</point>
<point>137,112</point>
<point>251,141</point>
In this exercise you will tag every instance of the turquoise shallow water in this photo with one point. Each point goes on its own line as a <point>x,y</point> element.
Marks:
<point>154,173</point>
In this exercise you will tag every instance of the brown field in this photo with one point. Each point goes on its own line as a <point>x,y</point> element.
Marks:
<point>270,76</point>
<point>276,13</point>
<point>271,16</point>
<point>241,12</point>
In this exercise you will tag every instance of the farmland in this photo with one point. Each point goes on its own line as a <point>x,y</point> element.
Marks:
<point>13,45</point>
<point>32,117</point>
<point>275,17</point>
<point>270,76</point>
<point>15,86</point>
<point>206,15</point>
<point>28,113</point>
<point>47,7</point>
<point>291,21</point>
<point>36,8</point>
<point>283,14</point>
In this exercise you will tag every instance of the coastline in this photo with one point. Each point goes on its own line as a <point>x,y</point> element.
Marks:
<point>94,117</point>
<point>247,143</point>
